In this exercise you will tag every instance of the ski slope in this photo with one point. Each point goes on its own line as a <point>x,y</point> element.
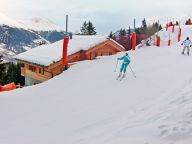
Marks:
<point>186,31</point>
<point>87,105</point>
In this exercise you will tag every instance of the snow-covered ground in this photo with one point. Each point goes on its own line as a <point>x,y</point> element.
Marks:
<point>87,105</point>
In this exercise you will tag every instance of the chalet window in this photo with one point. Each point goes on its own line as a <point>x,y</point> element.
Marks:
<point>32,68</point>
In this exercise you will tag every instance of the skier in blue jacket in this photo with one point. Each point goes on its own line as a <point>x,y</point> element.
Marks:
<point>126,60</point>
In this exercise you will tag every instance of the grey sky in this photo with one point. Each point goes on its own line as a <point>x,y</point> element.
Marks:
<point>107,15</point>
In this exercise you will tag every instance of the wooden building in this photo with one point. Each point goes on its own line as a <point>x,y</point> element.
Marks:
<point>45,62</point>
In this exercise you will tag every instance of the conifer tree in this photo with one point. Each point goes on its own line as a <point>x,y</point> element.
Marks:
<point>91,29</point>
<point>84,29</point>
<point>111,35</point>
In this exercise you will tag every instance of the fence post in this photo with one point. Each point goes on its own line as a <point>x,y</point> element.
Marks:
<point>158,39</point>
<point>173,28</point>
<point>134,40</point>
<point>167,26</point>
<point>65,47</point>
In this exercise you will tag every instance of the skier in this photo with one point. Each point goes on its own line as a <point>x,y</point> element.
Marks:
<point>187,44</point>
<point>126,61</point>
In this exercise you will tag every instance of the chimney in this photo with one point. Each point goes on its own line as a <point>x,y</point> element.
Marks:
<point>65,47</point>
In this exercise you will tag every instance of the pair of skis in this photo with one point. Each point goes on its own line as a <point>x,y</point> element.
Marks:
<point>120,78</point>
<point>184,54</point>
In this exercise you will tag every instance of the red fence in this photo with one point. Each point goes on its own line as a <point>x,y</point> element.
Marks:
<point>126,41</point>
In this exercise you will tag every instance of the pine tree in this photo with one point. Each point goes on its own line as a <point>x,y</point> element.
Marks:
<point>91,29</point>
<point>129,31</point>
<point>111,35</point>
<point>160,27</point>
<point>13,74</point>
<point>144,27</point>
<point>177,23</point>
<point>189,21</point>
<point>122,32</point>
<point>144,23</point>
<point>84,29</point>
<point>2,73</point>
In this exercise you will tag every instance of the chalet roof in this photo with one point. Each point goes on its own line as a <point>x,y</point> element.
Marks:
<point>46,55</point>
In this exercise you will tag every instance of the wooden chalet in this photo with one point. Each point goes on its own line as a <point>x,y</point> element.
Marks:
<point>45,62</point>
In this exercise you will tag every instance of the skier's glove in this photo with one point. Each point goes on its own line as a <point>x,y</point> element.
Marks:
<point>182,44</point>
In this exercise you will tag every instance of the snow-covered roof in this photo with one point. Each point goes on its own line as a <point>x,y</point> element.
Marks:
<point>46,55</point>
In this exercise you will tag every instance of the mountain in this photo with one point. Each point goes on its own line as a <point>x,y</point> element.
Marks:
<point>87,105</point>
<point>17,36</point>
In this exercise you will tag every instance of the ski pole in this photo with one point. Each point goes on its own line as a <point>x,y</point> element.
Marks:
<point>132,71</point>
<point>116,66</point>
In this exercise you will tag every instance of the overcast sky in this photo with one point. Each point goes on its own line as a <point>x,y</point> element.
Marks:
<point>107,15</point>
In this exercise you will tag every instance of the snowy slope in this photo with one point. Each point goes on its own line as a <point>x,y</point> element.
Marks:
<point>186,31</point>
<point>40,24</point>
<point>8,21</point>
<point>87,105</point>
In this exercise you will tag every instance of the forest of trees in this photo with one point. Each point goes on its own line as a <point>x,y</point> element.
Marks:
<point>148,29</point>
<point>10,72</point>
<point>123,36</point>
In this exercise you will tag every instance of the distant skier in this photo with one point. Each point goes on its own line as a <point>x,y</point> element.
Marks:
<point>126,60</point>
<point>187,44</point>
